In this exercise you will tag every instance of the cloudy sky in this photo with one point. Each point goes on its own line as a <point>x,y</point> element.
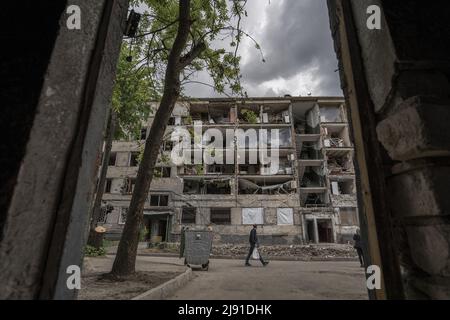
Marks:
<point>295,38</point>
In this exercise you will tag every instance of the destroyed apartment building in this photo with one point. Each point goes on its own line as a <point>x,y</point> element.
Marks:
<point>311,198</point>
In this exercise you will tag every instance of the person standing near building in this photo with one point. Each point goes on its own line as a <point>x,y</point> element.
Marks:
<point>358,246</point>
<point>253,239</point>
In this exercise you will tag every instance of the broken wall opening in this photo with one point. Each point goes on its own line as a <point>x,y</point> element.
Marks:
<point>339,164</point>
<point>207,186</point>
<point>325,231</point>
<point>313,200</point>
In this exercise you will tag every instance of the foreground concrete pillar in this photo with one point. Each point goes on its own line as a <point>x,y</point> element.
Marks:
<point>404,71</point>
<point>43,229</point>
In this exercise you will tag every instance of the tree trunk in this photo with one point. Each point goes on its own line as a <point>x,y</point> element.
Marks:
<point>124,263</point>
<point>96,208</point>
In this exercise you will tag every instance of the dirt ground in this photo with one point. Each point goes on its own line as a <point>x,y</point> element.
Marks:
<point>150,274</point>
<point>95,287</point>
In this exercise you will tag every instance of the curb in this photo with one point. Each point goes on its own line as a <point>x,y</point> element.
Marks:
<point>166,289</point>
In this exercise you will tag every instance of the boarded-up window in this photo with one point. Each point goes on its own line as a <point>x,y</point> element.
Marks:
<point>285,216</point>
<point>348,216</point>
<point>188,215</point>
<point>220,215</point>
<point>252,216</point>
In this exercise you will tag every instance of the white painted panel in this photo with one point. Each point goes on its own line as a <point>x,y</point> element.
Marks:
<point>252,216</point>
<point>285,216</point>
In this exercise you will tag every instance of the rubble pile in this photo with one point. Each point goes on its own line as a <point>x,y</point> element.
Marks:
<point>298,251</point>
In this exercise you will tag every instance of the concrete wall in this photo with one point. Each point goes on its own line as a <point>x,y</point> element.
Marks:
<point>47,216</point>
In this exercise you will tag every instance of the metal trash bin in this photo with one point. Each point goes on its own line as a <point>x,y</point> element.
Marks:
<point>198,244</point>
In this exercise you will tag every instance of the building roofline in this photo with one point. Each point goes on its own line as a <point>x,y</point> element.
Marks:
<point>293,98</point>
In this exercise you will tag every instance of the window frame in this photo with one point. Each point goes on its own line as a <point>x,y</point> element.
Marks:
<point>183,213</point>
<point>228,222</point>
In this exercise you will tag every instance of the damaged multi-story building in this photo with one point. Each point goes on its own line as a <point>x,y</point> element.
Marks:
<point>310,198</point>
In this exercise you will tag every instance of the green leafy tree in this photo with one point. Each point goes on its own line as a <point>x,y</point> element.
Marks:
<point>132,93</point>
<point>130,104</point>
<point>177,39</point>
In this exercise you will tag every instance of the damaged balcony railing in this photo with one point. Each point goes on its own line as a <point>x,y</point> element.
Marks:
<point>334,143</point>
<point>247,186</point>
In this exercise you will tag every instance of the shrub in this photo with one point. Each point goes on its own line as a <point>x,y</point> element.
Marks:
<point>91,251</point>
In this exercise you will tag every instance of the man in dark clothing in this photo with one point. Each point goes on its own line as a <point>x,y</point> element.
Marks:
<point>358,246</point>
<point>254,243</point>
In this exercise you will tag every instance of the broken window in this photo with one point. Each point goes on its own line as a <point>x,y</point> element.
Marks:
<point>218,187</point>
<point>339,165</point>
<point>219,115</point>
<point>245,169</point>
<point>143,133</point>
<point>220,215</point>
<point>128,185</point>
<point>336,136</point>
<point>330,114</point>
<point>348,216</point>
<point>253,216</point>
<point>188,215</point>
<point>123,215</point>
<point>313,178</point>
<point>159,200</point>
<point>108,185</point>
<point>112,159</point>
<point>249,114</point>
<point>134,159</point>
<point>284,138</point>
<point>342,187</point>
<point>285,216</point>
<point>220,169</point>
<point>167,145</point>
<point>313,200</point>
<point>310,150</point>
<point>193,170</point>
<point>206,186</point>
<point>162,172</point>
<point>275,114</point>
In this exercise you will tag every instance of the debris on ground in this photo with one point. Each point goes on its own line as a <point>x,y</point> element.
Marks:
<point>300,252</point>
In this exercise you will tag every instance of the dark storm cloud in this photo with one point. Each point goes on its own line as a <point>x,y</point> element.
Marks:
<point>296,39</point>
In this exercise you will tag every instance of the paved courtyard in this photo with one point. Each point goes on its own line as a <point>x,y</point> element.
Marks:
<point>230,279</point>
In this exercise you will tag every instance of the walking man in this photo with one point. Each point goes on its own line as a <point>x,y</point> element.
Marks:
<point>254,243</point>
<point>358,246</point>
